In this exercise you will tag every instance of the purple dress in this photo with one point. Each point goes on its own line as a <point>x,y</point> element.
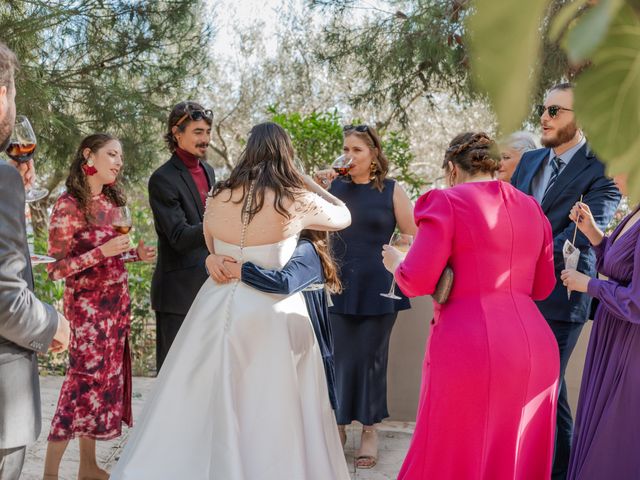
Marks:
<point>606,442</point>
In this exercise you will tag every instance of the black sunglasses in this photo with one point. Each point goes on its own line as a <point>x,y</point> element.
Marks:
<point>359,128</point>
<point>553,110</point>
<point>195,114</point>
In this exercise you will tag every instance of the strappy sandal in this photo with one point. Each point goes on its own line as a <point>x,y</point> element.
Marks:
<point>366,461</point>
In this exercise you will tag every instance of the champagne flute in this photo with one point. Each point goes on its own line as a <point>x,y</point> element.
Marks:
<point>22,146</point>
<point>122,222</point>
<point>402,242</point>
<point>342,165</point>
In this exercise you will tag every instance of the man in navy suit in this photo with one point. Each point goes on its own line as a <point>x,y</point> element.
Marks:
<point>557,176</point>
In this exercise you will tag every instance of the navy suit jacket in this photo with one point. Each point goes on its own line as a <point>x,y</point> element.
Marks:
<point>584,175</point>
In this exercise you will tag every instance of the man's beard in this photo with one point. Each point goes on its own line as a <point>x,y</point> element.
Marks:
<point>6,127</point>
<point>563,135</point>
<point>203,145</point>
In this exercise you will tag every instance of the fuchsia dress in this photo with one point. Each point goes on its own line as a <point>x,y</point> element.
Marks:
<point>490,375</point>
<point>96,394</point>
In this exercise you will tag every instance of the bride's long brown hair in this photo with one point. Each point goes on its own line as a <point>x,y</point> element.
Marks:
<point>268,159</point>
<point>320,241</point>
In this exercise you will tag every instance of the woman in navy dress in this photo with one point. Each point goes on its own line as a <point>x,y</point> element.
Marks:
<point>606,440</point>
<point>312,271</point>
<point>361,319</point>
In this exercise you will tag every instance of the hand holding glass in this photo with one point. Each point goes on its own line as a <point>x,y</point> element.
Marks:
<point>402,242</point>
<point>22,146</point>
<point>122,222</point>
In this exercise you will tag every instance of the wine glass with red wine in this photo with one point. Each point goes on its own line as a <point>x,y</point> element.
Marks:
<point>22,146</point>
<point>122,222</point>
<point>342,165</point>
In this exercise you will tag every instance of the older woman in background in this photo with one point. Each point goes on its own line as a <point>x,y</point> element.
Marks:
<point>511,150</point>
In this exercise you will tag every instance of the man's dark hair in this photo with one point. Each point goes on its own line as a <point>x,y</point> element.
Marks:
<point>562,86</point>
<point>179,111</point>
<point>8,66</point>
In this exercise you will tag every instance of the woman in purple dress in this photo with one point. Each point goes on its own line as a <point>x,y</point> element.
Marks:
<point>606,440</point>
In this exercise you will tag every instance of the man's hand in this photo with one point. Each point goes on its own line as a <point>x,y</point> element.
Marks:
<point>146,254</point>
<point>27,172</point>
<point>60,340</point>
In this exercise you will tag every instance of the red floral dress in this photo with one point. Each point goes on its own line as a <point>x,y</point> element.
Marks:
<point>96,394</point>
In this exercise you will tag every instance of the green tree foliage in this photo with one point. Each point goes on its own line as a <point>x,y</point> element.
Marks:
<point>409,49</point>
<point>102,65</point>
<point>602,39</point>
<point>317,137</point>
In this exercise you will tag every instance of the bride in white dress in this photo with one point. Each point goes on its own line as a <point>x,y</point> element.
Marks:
<point>242,394</point>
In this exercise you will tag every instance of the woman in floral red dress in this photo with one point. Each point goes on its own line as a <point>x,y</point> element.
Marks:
<point>96,394</point>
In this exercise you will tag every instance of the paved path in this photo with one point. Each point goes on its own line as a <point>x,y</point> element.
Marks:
<point>394,440</point>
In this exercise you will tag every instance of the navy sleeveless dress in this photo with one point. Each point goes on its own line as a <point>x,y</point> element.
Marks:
<point>361,319</point>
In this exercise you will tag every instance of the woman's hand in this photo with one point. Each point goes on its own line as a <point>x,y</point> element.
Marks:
<point>582,216</point>
<point>218,267</point>
<point>324,177</point>
<point>574,280</point>
<point>146,254</point>
<point>391,257</point>
<point>116,246</point>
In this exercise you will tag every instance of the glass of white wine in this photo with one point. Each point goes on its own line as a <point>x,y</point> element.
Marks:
<point>402,242</point>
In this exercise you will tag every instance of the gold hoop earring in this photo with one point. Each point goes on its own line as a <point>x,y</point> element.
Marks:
<point>373,168</point>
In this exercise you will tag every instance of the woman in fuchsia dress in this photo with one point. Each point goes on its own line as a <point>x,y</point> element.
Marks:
<point>489,383</point>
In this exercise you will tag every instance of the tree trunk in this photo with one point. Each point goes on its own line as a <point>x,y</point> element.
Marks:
<point>40,209</point>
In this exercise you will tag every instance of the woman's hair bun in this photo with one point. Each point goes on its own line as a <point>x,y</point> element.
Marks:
<point>474,153</point>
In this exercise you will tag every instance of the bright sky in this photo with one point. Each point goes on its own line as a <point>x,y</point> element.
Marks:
<point>244,13</point>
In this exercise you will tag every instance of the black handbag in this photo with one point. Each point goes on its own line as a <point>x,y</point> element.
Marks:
<point>444,285</point>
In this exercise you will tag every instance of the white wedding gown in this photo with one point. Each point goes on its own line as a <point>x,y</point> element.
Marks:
<point>242,394</point>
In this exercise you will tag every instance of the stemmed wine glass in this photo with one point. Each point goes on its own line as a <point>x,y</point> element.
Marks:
<point>402,242</point>
<point>342,165</point>
<point>299,166</point>
<point>22,146</point>
<point>122,222</point>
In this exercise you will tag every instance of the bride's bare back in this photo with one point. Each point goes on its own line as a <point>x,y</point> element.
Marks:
<point>318,211</point>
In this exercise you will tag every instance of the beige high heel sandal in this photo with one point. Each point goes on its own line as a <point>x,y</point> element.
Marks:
<point>366,460</point>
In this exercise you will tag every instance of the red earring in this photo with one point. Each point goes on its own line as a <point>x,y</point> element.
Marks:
<point>89,169</point>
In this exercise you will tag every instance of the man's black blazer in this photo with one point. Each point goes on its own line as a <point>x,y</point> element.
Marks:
<point>177,214</point>
<point>583,176</point>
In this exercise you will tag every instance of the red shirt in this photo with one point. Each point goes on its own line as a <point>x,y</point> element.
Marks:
<point>197,172</point>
